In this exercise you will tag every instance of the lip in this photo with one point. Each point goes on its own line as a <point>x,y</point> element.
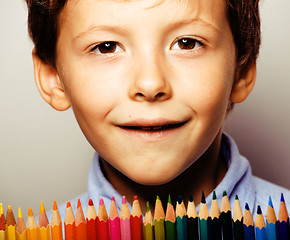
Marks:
<point>155,129</point>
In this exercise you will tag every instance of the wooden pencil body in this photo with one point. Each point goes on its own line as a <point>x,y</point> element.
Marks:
<point>192,229</point>
<point>226,224</point>
<point>91,229</point>
<point>181,228</point>
<point>159,231</point>
<point>10,232</point>
<point>136,227</point>
<point>115,231</point>
<point>271,231</point>
<point>261,233</point>
<point>2,235</point>
<point>282,230</point>
<point>148,233</point>
<point>170,230</point>
<point>56,232</point>
<point>238,230</point>
<point>214,229</point>
<point>69,231</point>
<point>103,230</point>
<point>44,233</point>
<point>203,232</point>
<point>125,229</point>
<point>81,231</point>
<point>22,236</point>
<point>249,232</point>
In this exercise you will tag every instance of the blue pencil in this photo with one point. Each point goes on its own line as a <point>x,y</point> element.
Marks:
<point>271,221</point>
<point>249,232</point>
<point>260,226</point>
<point>282,225</point>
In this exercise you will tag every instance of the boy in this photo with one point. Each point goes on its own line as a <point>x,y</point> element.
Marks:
<point>150,83</point>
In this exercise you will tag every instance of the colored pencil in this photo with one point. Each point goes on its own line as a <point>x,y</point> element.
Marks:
<point>203,217</point>
<point>2,222</point>
<point>283,221</point>
<point>10,225</point>
<point>31,226</point>
<point>43,224</point>
<point>271,220</point>
<point>56,224</point>
<point>181,220</point>
<point>226,218</point>
<point>192,220</point>
<point>159,231</point>
<point>91,221</point>
<point>102,222</point>
<point>125,220</point>
<point>170,221</point>
<point>136,220</point>
<point>81,225</point>
<point>238,220</point>
<point>114,221</point>
<point>248,223</point>
<point>20,227</point>
<point>260,226</point>
<point>69,223</point>
<point>214,225</point>
<point>148,224</point>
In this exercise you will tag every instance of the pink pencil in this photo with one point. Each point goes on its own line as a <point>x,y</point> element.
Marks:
<point>125,220</point>
<point>114,221</point>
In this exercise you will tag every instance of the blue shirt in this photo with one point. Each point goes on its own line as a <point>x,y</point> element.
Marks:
<point>237,181</point>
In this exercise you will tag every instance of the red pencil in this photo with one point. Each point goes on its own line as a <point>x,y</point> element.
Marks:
<point>81,227</point>
<point>69,223</point>
<point>91,221</point>
<point>114,221</point>
<point>102,222</point>
<point>136,220</point>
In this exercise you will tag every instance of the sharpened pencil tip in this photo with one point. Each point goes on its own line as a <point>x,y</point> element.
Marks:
<point>113,198</point>
<point>30,213</point>
<point>190,198</point>
<point>124,200</point>
<point>270,202</point>
<point>101,201</point>
<point>135,198</point>
<point>42,209</point>
<point>259,211</point>
<point>179,199</point>
<point>157,197</point>
<point>147,206</point>
<point>213,195</point>
<point>282,198</point>
<point>247,207</point>
<point>19,213</point>
<point>91,202</point>
<point>79,203</point>
<point>202,197</point>
<point>236,197</point>
<point>169,199</point>
<point>68,204</point>
<point>224,193</point>
<point>54,206</point>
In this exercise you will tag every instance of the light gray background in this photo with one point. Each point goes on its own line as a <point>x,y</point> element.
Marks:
<point>44,156</point>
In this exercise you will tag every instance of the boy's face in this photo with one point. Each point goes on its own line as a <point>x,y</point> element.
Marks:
<point>149,82</point>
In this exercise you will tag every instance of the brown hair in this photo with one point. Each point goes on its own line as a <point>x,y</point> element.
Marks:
<point>243,17</point>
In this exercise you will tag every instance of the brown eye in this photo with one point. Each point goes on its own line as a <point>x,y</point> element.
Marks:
<point>187,44</point>
<point>106,48</point>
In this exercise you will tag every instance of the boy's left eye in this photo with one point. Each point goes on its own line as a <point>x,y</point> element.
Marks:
<point>106,48</point>
<point>187,44</point>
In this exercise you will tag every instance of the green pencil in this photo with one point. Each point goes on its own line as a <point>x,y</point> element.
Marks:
<point>159,230</point>
<point>148,224</point>
<point>181,220</point>
<point>203,219</point>
<point>170,221</point>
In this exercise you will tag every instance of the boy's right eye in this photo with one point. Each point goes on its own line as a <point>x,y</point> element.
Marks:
<point>106,48</point>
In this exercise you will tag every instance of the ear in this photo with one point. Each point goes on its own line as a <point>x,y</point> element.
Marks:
<point>242,88</point>
<point>49,84</point>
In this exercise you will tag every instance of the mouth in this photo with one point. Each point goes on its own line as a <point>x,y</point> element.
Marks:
<point>153,128</point>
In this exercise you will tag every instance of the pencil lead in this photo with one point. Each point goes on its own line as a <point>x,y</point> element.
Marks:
<point>270,202</point>
<point>68,204</point>
<point>54,206</point>
<point>30,213</point>
<point>79,203</point>
<point>236,197</point>
<point>247,207</point>
<point>101,201</point>
<point>147,206</point>
<point>224,193</point>
<point>158,197</point>
<point>135,198</point>
<point>91,202</point>
<point>19,213</point>
<point>113,199</point>
<point>1,209</point>
<point>42,209</point>
<point>190,198</point>
<point>169,199</point>
<point>124,200</point>
<point>9,207</point>
<point>282,198</point>
<point>202,197</point>
<point>213,195</point>
<point>259,211</point>
<point>179,199</point>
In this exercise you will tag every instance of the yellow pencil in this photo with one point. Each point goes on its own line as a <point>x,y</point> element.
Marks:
<point>20,227</point>
<point>2,223</point>
<point>43,224</point>
<point>10,225</point>
<point>31,226</point>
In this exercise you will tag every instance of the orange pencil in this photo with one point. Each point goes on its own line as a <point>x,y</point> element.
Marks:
<point>10,225</point>
<point>136,220</point>
<point>2,223</point>
<point>91,221</point>
<point>69,223</point>
<point>43,224</point>
<point>20,227</point>
<point>102,222</point>
<point>81,227</point>
<point>56,224</point>
<point>31,226</point>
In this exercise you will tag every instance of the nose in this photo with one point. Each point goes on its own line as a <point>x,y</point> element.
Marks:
<point>150,82</point>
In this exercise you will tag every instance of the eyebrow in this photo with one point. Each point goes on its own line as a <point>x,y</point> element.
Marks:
<point>123,31</point>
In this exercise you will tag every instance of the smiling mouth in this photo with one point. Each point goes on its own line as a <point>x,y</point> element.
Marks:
<point>154,128</point>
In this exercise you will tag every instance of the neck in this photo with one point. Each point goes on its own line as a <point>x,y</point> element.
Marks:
<point>203,175</point>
